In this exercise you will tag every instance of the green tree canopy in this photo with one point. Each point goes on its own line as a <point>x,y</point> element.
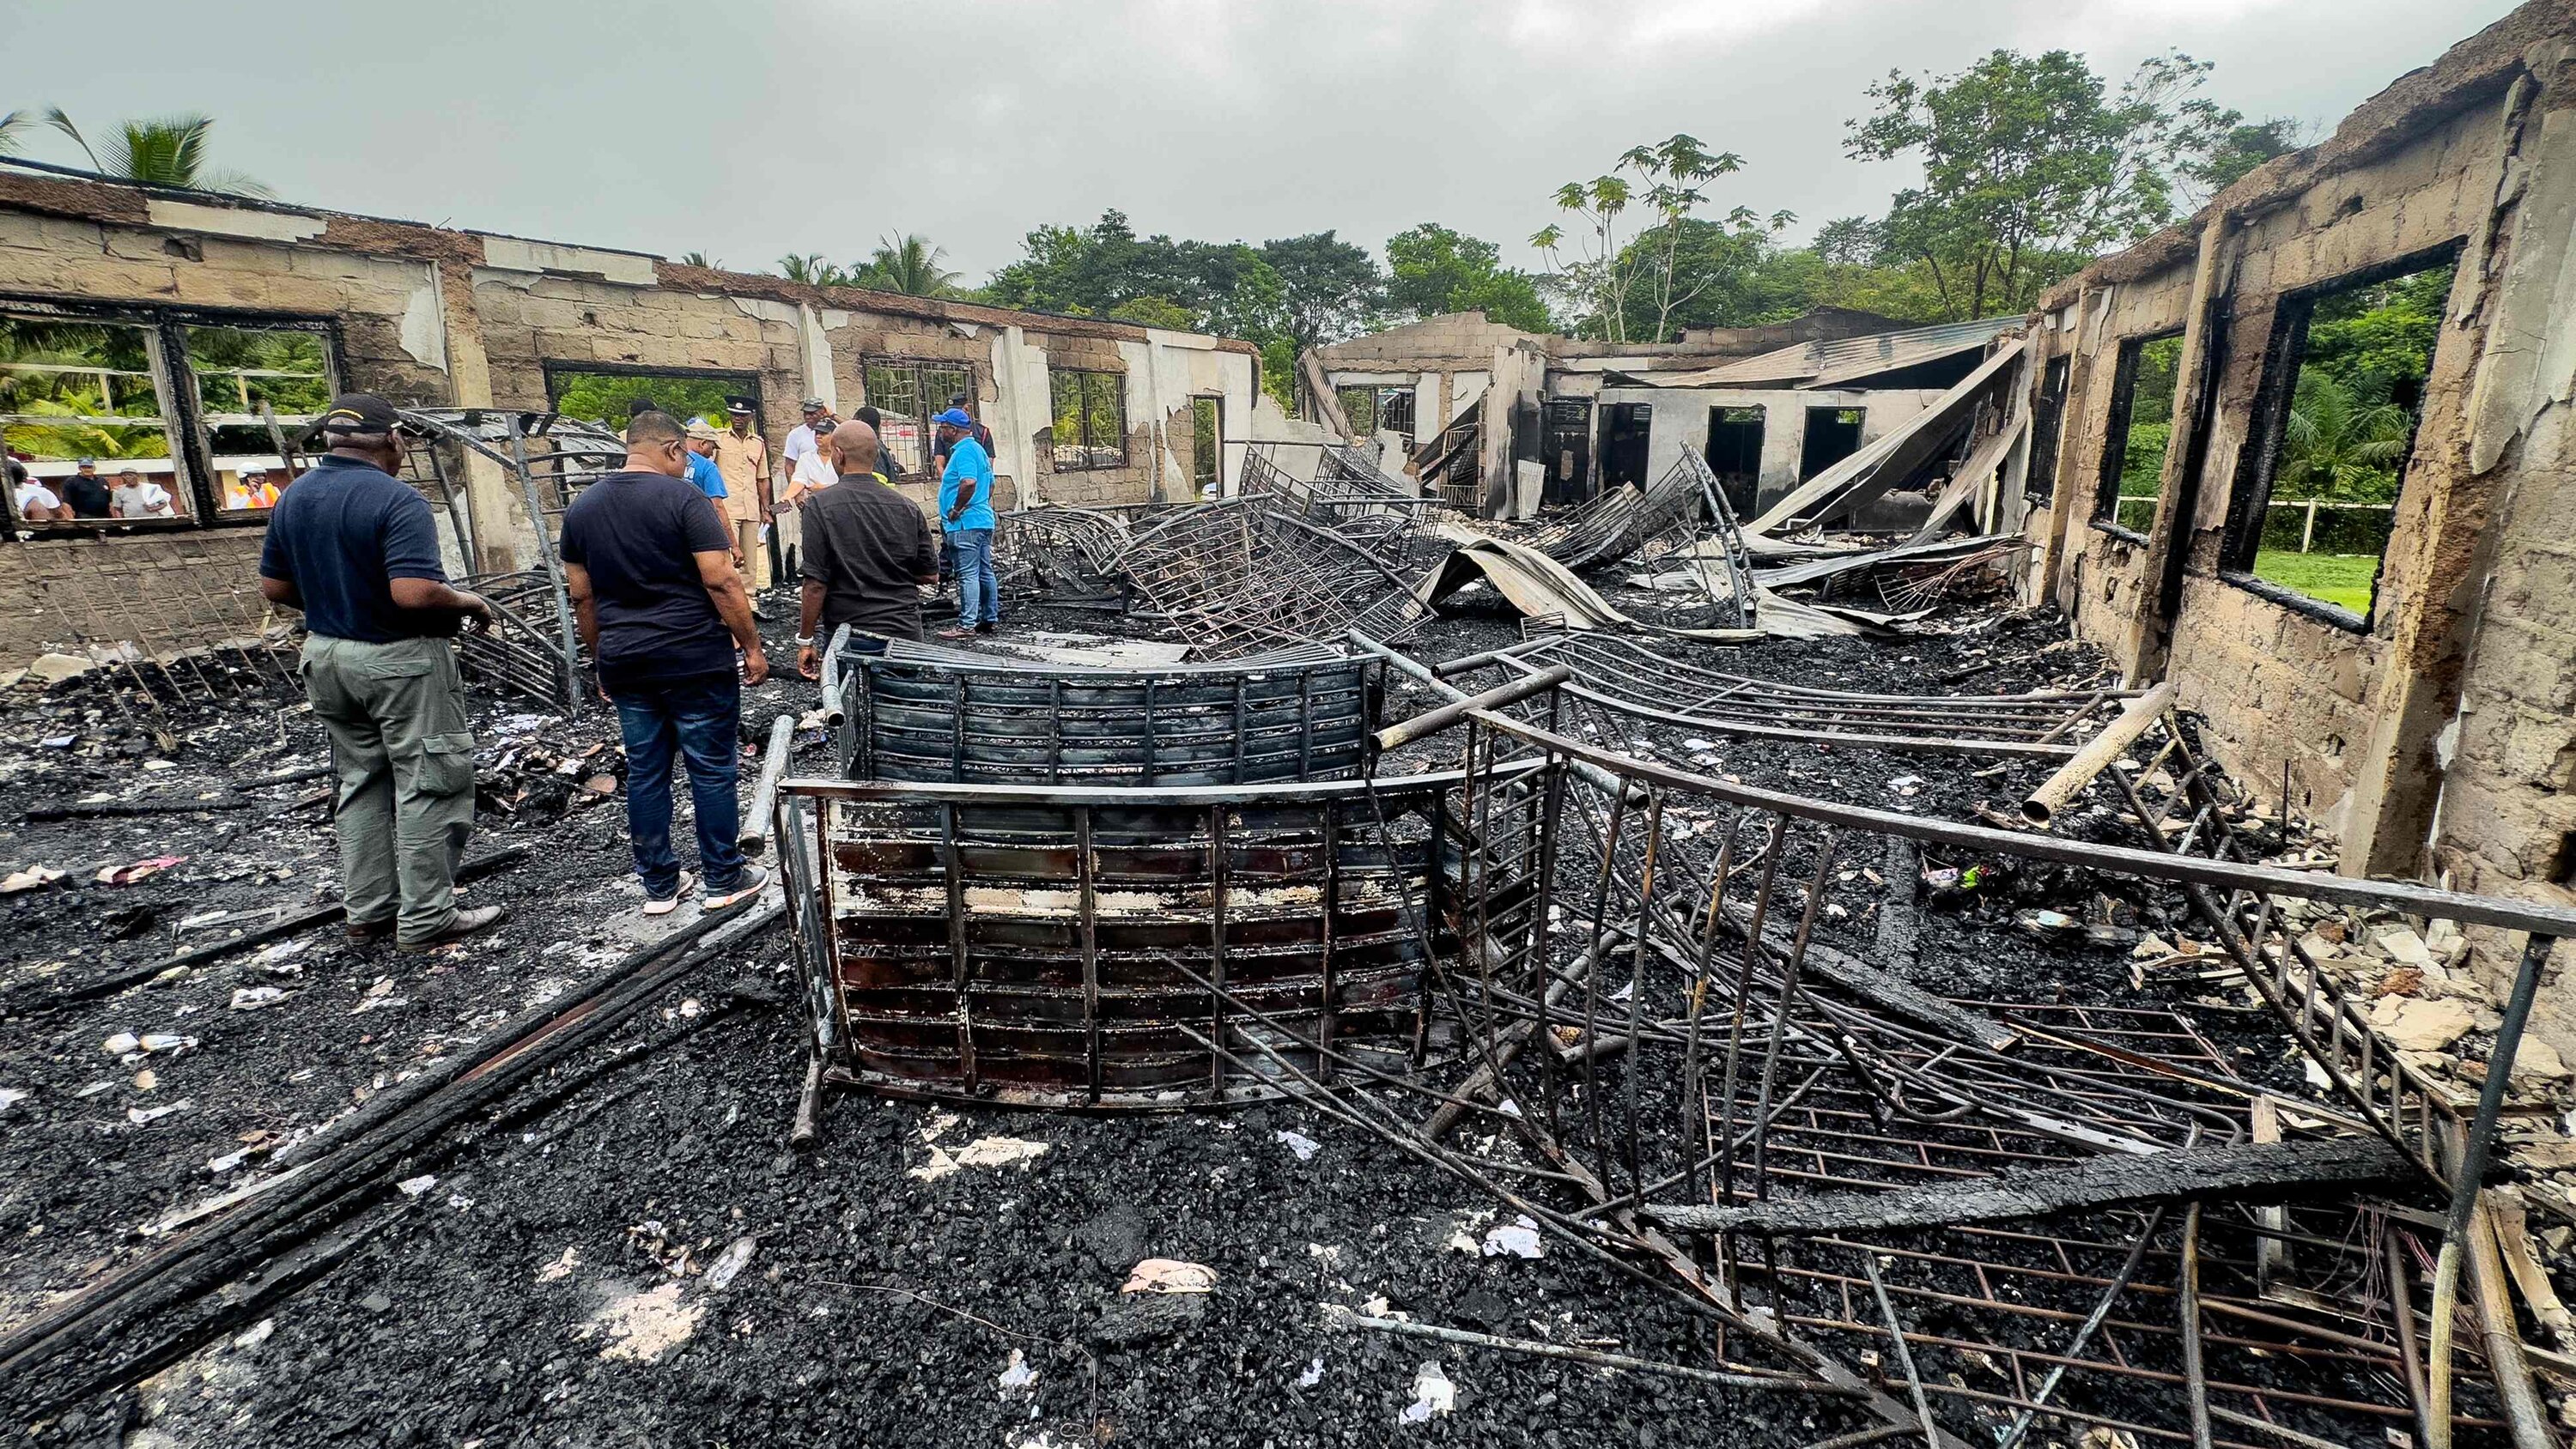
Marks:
<point>2031,167</point>
<point>1433,270</point>
<point>908,264</point>
<point>1282,295</point>
<point>1626,268</point>
<point>165,151</point>
<point>1328,288</point>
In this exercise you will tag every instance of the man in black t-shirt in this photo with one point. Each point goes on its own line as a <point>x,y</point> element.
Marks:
<point>86,492</point>
<point>867,553</point>
<point>356,549</point>
<point>650,568</point>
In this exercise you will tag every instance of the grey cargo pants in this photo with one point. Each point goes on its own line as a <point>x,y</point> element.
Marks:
<point>405,760</point>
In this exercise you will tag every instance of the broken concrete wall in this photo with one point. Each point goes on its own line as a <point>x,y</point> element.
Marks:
<point>1679,423</point>
<point>2439,737</point>
<point>433,317</point>
<point>389,326</point>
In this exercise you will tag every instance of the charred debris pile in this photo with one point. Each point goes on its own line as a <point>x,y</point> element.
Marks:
<point>1796,949</point>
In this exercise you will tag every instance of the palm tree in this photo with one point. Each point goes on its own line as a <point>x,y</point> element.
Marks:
<point>700,259</point>
<point>811,269</point>
<point>2334,447</point>
<point>165,151</point>
<point>908,264</point>
<point>10,125</point>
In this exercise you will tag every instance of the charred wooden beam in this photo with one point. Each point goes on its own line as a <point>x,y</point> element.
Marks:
<point>2246,1170</point>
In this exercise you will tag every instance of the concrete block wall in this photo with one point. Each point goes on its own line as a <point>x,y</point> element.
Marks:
<point>2440,741</point>
<point>2273,682</point>
<point>165,591</point>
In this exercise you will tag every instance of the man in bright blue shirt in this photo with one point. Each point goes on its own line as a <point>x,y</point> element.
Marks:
<point>702,461</point>
<point>966,515</point>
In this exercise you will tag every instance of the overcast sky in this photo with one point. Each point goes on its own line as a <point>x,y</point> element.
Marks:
<point>749,130</point>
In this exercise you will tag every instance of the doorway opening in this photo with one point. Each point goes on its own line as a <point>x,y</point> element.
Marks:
<point>1833,434</point>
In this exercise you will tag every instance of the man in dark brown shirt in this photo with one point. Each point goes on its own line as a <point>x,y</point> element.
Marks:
<point>868,552</point>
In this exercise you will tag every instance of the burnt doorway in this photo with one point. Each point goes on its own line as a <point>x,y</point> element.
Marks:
<point>1734,454</point>
<point>1624,430</point>
<point>1833,434</point>
<point>1566,448</point>
<point>2048,414</point>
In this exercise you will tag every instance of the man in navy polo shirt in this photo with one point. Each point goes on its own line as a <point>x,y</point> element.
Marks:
<point>356,549</point>
<point>650,568</point>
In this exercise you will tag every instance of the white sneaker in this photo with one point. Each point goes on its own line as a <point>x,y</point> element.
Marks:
<point>653,907</point>
<point>753,878</point>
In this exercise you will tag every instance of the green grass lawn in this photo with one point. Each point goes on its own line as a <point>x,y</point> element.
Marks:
<point>2340,579</point>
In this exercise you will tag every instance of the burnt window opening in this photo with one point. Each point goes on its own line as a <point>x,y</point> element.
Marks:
<point>1734,454</point>
<point>2332,435</point>
<point>1833,434</point>
<point>2048,417</point>
<point>2562,865</point>
<point>183,417</point>
<point>907,394</point>
<point>1207,445</point>
<point>1374,410</point>
<point>608,395</point>
<point>2138,433</point>
<point>1090,419</point>
<point>257,388</point>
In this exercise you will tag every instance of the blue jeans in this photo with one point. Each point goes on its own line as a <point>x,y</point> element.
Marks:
<point>979,595</point>
<point>701,720</point>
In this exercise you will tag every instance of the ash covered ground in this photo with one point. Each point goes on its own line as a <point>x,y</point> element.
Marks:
<point>552,1286</point>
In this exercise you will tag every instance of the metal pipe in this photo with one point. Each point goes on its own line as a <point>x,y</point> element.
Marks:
<point>2042,804</point>
<point>1405,732</point>
<point>764,796</point>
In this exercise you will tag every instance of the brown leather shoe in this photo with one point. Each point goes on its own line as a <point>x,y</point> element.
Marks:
<point>369,933</point>
<point>462,925</point>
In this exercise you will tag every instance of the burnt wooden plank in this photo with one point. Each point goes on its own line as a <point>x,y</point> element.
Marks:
<point>2265,1171</point>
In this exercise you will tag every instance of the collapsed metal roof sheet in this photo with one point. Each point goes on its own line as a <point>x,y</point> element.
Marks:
<point>1830,364</point>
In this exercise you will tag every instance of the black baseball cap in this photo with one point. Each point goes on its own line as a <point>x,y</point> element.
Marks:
<point>360,413</point>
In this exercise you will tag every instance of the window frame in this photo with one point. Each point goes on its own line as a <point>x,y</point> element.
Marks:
<point>289,426</point>
<point>917,369</point>
<point>2105,515</point>
<point>1084,443</point>
<point>181,415</point>
<point>2258,462</point>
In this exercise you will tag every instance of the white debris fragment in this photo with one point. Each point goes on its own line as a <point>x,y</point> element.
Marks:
<point>162,1041</point>
<point>1170,1275</point>
<point>1297,1142</point>
<point>1518,1238</point>
<point>728,1265</point>
<point>121,1043</point>
<point>2404,947</point>
<point>252,998</point>
<point>1313,1375</point>
<point>11,1097</point>
<point>982,1152</point>
<point>1017,1376</point>
<point>2420,1026</point>
<point>283,951</point>
<point>256,1334</point>
<point>228,1161</point>
<point>561,1268</point>
<point>642,1327</point>
<point>415,1186</point>
<point>379,995</point>
<point>144,1116</point>
<point>1433,1393</point>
